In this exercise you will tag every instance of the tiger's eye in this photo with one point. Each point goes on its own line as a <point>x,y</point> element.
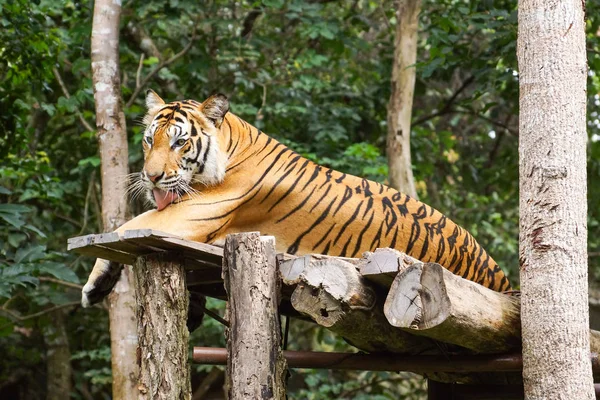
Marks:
<point>149,140</point>
<point>180,142</point>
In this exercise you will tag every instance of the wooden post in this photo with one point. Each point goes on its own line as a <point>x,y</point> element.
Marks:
<point>256,368</point>
<point>162,300</point>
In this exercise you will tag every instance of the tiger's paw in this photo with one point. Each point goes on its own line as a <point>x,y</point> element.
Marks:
<point>103,278</point>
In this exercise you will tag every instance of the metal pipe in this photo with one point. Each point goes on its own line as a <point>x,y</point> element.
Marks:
<point>385,362</point>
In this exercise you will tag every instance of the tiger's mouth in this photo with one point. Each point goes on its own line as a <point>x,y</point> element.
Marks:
<point>163,199</point>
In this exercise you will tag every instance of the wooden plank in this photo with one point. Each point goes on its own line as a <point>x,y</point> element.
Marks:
<point>165,241</point>
<point>89,240</point>
<point>98,251</point>
<point>110,240</point>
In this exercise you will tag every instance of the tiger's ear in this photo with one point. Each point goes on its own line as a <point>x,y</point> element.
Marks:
<point>153,100</point>
<point>153,103</point>
<point>215,108</point>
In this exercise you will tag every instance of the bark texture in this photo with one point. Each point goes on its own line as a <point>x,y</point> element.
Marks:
<point>401,99</point>
<point>163,336</point>
<point>58,358</point>
<point>256,368</point>
<point>553,206</point>
<point>112,139</point>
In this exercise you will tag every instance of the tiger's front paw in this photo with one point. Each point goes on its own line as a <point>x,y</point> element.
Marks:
<point>101,281</point>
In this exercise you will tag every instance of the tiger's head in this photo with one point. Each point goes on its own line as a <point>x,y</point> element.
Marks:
<point>181,147</point>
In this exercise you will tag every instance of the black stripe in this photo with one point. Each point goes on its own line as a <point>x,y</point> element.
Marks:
<point>313,176</point>
<point>345,198</point>
<point>212,234</point>
<point>271,152</point>
<point>230,211</point>
<point>377,239</point>
<point>286,194</point>
<point>393,244</point>
<point>321,199</point>
<point>275,185</point>
<point>369,206</point>
<point>201,169</point>
<point>294,247</point>
<point>352,218</point>
<point>341,178</point>
<point>345,249</point>
<point>362,232</point>
<point>299,206</point>
<point>324,237</point>
<point>258,182</point>
<point>269,139</point>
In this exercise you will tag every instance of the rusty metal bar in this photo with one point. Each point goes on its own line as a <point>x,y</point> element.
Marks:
<point>384,362</point>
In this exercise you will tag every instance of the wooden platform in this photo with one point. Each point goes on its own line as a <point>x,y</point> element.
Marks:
<point>203,262</point>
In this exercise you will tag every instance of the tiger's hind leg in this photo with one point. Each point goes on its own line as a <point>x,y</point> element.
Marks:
<point>103,278</point>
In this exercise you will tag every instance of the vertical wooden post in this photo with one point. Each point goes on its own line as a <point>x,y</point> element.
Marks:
<point>256,368</point>
<point>162,355</point>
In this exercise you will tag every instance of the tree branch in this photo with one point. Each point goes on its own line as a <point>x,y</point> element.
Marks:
<point>160,66</point>
<point>61,83</point>
<point>447,108</point>
<point>60,282</point>
<point>16,317</point>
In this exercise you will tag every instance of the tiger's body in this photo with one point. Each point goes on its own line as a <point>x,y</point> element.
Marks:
<point>251,182</point>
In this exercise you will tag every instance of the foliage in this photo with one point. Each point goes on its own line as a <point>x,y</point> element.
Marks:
<point>314,74</point>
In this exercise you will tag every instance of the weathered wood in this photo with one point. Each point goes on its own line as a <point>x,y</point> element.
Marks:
<point>333,294</point>
<point>256,368</point>
<point>138,242</point>
<point>431,301</point>
<point>382,265</point>
<point>162,299</point>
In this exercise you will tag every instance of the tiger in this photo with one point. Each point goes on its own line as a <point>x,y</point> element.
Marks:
<point>209,173</point>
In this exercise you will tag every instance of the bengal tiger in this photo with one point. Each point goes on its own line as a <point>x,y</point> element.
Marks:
<point>210,173</point>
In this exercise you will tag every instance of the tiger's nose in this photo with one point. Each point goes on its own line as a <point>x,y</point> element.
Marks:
<point>155,177</point>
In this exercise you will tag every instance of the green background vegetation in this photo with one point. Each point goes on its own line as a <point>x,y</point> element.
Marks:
<point>314,74</point>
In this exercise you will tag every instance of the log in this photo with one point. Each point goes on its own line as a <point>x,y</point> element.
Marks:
<point>382,265</point>
<point>256,368</point>
<point>429,300</point>
<point>162,300</point>
<point>334,295</point>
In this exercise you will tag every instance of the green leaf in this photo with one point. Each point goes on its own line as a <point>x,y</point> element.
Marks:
<point>59,271</point>
<point>30,253</point>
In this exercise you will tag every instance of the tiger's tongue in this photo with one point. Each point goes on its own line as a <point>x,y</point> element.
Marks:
<point>163,199</point>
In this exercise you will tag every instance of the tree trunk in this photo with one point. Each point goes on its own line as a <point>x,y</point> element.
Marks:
<point>112,139</point>
<point>401,99</point>
<point>553,204</point>
<point>162,331</point>
<point>58,358</point>
<point>256,368</point>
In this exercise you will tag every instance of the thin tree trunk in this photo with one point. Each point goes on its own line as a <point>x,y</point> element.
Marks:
<point>112,139</point>
<point>58,358</point>
<point>401,99</point>
<point>553,204</point>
